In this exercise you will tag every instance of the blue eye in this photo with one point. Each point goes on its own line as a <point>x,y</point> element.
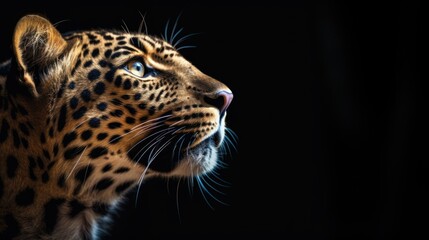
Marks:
<point>136,68</point>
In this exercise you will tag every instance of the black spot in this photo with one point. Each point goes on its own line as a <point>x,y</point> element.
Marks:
<point>99,88</point>
<point>62,87</point>
<point>51,213</point>
<point>93,74</point>
<point>152,110</point>
<point>32,164</point>
<point>16,140</point>
<point>95,52</point>
<point>73,152</point>
<point>87,63</point>
<point>151,97</point>
<point>42,138</point>
<point>114,125</point>
<point>161,106</point>
<point>72,85</point>
<point>101,136</point>
<point>4,131</point>
<point>85,95</point>
<point>51,132</point>
<point>118,81</point>
<point>68,138</point>
<point>122,170</point>
<point>130,120</point>
<point>94,42</point>
<point>13,228</point>
<point>103,184</point>
<point>87,134</point>
<point>102,106</point>
<point>127,84</point>
<point>24,143</point>
<point>45,177</point>
<point>98,152</point>
<point>107,53</point>
<point>143,119</point>
<point>109,75</point>
<point>130,109</point>
<point>115,139</point>
<point>62,118</point>
<point>123,186</point>
<point>106,168</point>
<point>12,166</point>
<point>102,63</point>
<point>84,173</point>
<point>116,55</point>
<point>74,102</point>
<point>142,106</point>
<point>24,129</point>
<point>107,37</point>
<point>46,154</point>
<point>100,208</point>
<point>94,122</point>
<point>25,197</point>
<point>85,53</point>
<point>75,208</point>
<point>137,96</point>
<point>116,102</point>
<point>61,181</point>
<point>79,113</point>
<point>117,113</point>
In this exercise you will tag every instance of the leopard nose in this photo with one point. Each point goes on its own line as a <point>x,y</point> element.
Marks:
<point>221,100</point>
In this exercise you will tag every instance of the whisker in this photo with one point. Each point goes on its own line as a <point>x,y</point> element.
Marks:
<point>184,38</point>
<point>202,190</point>
<point>176,35</point>
<point>153,142</point>
<point>152,120</point>
<point>177,200</point>
<point>143,23</point>
<point>78,160</point>
<point>234,136</point>
<point>210,186</point>
<point>165,37</point>
<point>184,47</point>
<point>126,29</point>
<point>174,29</point>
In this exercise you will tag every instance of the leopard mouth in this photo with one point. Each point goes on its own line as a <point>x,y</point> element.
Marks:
<point>181,154</point>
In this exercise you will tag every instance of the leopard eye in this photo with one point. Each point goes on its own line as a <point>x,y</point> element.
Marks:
<point>136,68</point>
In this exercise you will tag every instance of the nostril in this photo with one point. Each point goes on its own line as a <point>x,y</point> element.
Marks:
<point>221,100</point>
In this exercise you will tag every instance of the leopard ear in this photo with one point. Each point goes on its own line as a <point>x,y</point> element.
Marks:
<point>36,44</point>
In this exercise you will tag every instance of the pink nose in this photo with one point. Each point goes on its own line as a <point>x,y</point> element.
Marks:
<point>226,99</point>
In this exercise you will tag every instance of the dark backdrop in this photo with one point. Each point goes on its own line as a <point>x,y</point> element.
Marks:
<point>328,110</point>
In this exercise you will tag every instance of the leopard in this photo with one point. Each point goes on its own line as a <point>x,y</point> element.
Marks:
<point>88,115</point>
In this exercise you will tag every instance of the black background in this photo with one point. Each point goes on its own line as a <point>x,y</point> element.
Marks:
<point>328,109</point>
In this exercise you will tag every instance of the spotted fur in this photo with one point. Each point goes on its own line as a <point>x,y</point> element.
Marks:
<point>78,128</point>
